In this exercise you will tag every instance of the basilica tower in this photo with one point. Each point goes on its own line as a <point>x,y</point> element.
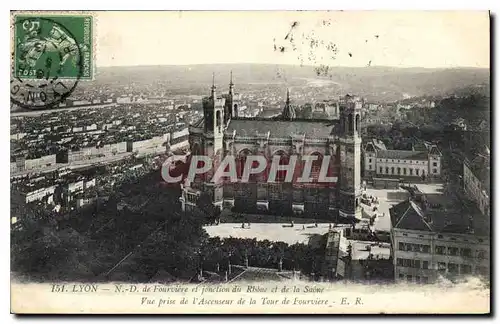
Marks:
<point>212,140</point>
<point>349,190</point>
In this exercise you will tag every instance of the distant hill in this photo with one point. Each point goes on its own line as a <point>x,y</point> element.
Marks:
<point>374,83</point>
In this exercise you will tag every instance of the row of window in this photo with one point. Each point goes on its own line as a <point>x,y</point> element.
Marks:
<point>412,263</point>
<point>441,250</point>
<point>434,164</point>
<point>423,248</point>
<point>464,269</point>
<point>418,279</point>
<point>443,267</point>
<point>480,240</point>
<point>402,171</point>
<point>454,251</point>
<point>399,161</point>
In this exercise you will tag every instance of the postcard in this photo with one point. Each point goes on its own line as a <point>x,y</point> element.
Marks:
<point>250,162</point>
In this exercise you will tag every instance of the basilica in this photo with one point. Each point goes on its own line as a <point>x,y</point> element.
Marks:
<point>221,133</point>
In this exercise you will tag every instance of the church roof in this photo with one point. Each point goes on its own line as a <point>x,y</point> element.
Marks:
<point>289,112</point>
<point>282,128</point>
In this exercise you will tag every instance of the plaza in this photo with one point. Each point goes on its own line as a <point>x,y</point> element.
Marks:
<point>274,232</point>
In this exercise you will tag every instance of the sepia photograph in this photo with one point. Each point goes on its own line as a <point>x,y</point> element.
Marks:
<point>250,162</point>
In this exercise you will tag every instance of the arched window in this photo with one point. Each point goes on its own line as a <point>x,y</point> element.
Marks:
<point>316,166</point>
<point>281,175</point>
<point>399,170</point>
<point>235,110</point>
<point>218,119</point>
<point>197,150</point>
<point>392,170</point>
<point>350,123</point>
<point>240,164</point>
<point>357,122</point>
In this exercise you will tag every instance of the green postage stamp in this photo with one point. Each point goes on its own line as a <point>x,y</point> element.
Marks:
<point>53,46</point>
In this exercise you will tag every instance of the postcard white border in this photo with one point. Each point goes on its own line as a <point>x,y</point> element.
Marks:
<point>213,5</point>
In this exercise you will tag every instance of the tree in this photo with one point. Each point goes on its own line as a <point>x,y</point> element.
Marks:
<point>43,251</point>
<point>211,212</point>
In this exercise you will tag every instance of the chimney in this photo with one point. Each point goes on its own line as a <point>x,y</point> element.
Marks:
<point>226,279</point>
<point>246,261</point>
<point>280,265</point>
<point>229,263</point>
<point>217,267</point>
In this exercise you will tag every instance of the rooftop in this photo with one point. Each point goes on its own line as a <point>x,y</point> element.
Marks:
<point>400,154</point>
<point>311,128</point>
<point>375,144</point>
<point>436,213</point>
<point>260,274</point>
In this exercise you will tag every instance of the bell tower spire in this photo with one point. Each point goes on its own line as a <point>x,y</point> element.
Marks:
<point>289,110</point>
<point>230,106</point>
<point>231,84</point>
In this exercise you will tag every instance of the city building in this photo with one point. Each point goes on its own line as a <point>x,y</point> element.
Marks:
<point>155,145</point>
<point>23,164</point>
<point>432,238</point>
<point>89,153</point>
<point>379,162</point>
<point>326,109</point>
<point>476,181</point>
<point>333,266</point>
<point>222,132</point>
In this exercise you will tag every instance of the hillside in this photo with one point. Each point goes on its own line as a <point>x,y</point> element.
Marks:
<point>374,83</point>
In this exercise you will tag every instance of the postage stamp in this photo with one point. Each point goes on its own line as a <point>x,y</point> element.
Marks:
<point>51,54</point>
<point>47,46</point>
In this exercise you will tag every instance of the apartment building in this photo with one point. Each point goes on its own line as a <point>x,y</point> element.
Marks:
<point>88,153</point>
<point>42,162</point>
<point>430,240</point>
<point>476,181</point>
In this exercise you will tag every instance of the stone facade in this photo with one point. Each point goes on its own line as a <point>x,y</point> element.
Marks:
<point>380,162</point>
<point>221,133</point>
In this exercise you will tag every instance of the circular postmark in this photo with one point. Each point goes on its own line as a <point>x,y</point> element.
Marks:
<point>44,49</point>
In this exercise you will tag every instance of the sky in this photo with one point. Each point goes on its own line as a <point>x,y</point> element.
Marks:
<point>430,39</point>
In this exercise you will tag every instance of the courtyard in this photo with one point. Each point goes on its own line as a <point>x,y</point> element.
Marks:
<point>299,233</point>
<point>278,228</point>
